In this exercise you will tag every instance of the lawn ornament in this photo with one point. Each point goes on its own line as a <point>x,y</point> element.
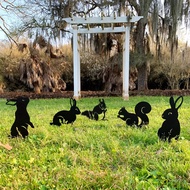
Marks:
<point>66,116</point>
<point>132,119</point>
<point>90,114</point>
<point>171,126</point>
<point>98,109</point>
<point>22,118</point>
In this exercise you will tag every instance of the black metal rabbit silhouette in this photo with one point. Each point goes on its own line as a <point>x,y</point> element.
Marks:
<point>66,116</point>
<point>22,118</point>
<point>98,109</point>
<point>141,109</point>
<point>171,126</point>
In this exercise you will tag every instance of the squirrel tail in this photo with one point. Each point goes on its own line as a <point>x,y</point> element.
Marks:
<point>141,109</point>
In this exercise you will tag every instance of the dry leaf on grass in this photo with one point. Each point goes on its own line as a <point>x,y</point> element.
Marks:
<point>6,146</point>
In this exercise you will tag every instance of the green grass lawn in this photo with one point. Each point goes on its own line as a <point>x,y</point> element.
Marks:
<point>94,154</point>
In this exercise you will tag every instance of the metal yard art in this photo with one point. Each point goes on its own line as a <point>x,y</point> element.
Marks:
<point>98,109</point>
<point>171,126</point>
<point>66,116</point>
<point>132,119</point>
<point>22,118</point>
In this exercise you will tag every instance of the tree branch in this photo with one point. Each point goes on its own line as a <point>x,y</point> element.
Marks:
<point>6,33</point>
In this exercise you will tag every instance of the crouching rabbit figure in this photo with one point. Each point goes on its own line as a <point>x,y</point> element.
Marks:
<point>65,116</point>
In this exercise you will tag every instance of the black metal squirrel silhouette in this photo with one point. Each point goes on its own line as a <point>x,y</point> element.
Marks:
<point>90,114</point>
<point>98,109</point>
<point>141,109</point>
<point>171,126</point>
<point>22,118</point>
<point>66,116</point>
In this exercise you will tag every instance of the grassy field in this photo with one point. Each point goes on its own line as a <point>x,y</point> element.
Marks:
<point>94,154</point>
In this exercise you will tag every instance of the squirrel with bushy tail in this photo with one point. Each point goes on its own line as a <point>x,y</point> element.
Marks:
<point>132,119</point>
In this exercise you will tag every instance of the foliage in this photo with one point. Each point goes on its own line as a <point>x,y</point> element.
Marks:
<point>94,154</point>
<point>160,19</point>
<point>10,9</point>
<point>173,71</point>
<point>92,70</point>
<point>9,61</point>
<point>94,67</point>
<point>16,72</point>
<point>51,14</point>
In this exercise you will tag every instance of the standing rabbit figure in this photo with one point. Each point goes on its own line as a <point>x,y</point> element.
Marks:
<point>22,118</point>
<point>66,116</point>
<point>171,126</point>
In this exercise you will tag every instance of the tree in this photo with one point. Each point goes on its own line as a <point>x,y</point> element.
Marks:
<point>10,10</point>
<point>33,72</point>
<point>142,9</point>
<point>51,12</point>
<point>162,29</point>
<point>158,26</point>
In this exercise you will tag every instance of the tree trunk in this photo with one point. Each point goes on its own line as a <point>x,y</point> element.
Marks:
<point>140,48</point>
<point>142,7</point>
<point>142,77</point>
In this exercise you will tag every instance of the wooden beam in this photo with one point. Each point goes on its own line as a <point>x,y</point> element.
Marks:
<point>126,50</point>
<point>76,64</point>
<point>100,30</point>
<point>101,20</point>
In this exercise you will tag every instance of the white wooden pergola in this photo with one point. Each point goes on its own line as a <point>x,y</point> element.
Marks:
<point>124,21</point>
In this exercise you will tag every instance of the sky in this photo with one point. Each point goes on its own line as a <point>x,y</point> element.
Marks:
<point>7,18</point>
<point>184,34</point>
<point>10,18</point>
<point>9,15</point>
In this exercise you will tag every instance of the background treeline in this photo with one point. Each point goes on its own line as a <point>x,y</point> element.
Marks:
<point>158,54</point>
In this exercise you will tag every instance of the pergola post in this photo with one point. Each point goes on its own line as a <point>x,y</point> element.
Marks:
<point>76,64</point>
<point>126,49</point>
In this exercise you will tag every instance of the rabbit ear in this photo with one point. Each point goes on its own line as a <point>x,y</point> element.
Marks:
<point>180,97</point>
<point>74,102</point>
<point>71,100</point>
<point>172,104</point>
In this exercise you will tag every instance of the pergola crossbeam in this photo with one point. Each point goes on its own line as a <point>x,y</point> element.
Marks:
<point>100,30</point>
<point>102,20</point>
